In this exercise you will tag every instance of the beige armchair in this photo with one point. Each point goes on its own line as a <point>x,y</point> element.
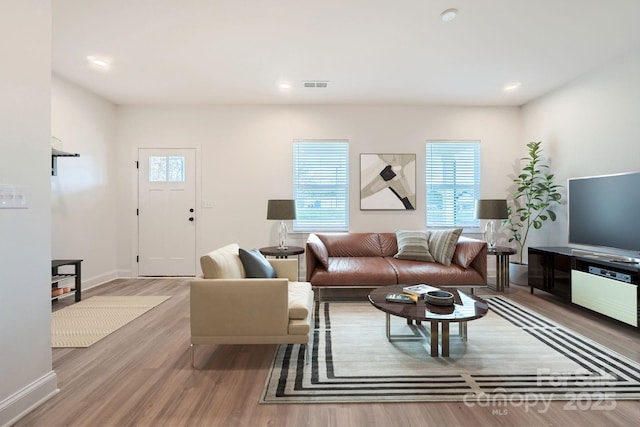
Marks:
<point>228,308</point>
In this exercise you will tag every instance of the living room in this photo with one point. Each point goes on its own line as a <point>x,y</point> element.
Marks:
<point>244,152</point>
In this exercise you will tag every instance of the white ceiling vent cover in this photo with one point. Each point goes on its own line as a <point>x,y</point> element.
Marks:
<point>315,83</point>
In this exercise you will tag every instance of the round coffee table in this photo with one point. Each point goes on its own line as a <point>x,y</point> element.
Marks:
<point>466,307</point>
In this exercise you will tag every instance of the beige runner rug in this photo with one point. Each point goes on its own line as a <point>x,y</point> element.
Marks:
<point>86,322</point>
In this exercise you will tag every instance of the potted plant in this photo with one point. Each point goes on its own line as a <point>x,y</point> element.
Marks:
<point>532,204</point>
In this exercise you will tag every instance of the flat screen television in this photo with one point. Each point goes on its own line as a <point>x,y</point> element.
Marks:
<point>604,211</point>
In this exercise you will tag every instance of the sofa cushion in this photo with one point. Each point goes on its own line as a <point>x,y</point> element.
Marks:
<point>256,265</point>
<point>319,250</point>
<point>298,327</point>
<point>413,245</point>
<point>351,244</point>
<point>355,271</point>
<point>299,300</point>
<point>466,251</point>
<point>434,274</point>
<point>442,244</point>
<point>223,263</point>
<point>388,244</point>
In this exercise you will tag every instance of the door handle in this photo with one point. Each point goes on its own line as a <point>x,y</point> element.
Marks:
<point>191,218</point>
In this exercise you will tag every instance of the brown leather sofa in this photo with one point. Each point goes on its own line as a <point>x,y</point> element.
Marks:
<point>367,260</point>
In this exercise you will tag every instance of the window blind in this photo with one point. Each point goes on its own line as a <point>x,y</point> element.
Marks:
<point>452,178</point>
<point>321,185</point>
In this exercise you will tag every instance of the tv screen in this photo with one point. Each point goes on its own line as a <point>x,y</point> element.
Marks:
<point>604,211</point>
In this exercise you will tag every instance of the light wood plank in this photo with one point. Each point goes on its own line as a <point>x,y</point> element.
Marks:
<point>141,376</point>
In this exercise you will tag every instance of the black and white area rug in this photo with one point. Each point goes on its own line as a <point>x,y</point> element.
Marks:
<point>512,353</point>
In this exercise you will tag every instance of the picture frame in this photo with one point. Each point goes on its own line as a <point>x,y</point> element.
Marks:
<point>387,181</point>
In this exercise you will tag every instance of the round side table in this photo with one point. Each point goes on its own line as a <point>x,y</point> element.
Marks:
<point>502,254</point>
<point>281,253</point>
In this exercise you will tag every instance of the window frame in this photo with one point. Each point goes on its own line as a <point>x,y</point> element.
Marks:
<point>472,170</point>
<point>305,225</point>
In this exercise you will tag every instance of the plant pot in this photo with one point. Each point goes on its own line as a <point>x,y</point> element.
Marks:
<point>519,273</point>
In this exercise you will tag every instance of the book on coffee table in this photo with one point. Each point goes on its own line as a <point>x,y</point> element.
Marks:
<point>418,290</point>
<point>403,298</point>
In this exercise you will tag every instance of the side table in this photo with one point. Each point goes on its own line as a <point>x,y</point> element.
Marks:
<point>283,253</point>
<point>502,254</point>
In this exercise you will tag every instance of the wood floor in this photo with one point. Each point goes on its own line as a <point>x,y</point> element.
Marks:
<point>141,375</point>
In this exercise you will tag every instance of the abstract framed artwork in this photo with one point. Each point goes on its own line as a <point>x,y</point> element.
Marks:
<point>387,181</point>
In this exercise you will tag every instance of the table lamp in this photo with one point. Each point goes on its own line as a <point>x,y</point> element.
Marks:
<point>491,209</point>
<point>281,210</point>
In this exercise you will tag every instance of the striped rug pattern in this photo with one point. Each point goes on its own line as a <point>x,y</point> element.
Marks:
<point>513,355</point>
<point>86,322</point>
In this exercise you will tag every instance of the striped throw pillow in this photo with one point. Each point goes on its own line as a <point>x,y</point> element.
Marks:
<point>442,244</point>
<point>413,245</point>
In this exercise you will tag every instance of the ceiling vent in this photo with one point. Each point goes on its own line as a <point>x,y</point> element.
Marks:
<point>315,83</point>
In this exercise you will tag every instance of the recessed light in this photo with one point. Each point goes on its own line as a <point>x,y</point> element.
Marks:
<point>449,15</point>
<point>284,85</point>
<point>512,86</point>
<point>99,62</point>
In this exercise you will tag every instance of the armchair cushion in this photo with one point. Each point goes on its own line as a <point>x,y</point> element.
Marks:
<point>299,300</point>
<point>222,263</point>
<point>256,265</point>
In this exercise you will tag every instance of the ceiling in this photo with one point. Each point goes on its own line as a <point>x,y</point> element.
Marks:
<point>369,51</point>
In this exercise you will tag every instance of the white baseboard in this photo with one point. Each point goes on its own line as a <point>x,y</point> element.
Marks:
<point>91,282</point>
<point>125,274</point>
<point>25,400</point>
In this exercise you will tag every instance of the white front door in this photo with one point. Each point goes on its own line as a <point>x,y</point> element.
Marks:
<point>166,212</point>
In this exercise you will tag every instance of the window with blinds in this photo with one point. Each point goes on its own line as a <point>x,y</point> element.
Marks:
<point>321,185</point>
<point>452,183</point>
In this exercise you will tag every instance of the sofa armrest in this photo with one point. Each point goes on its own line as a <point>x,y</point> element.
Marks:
<point>316,255</point>
<point>237,307</point>
<point>310,264</point>
<point>479,263</point>
<point>285,268</point>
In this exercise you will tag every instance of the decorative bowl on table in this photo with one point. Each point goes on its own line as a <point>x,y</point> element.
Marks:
<point>443,298</point>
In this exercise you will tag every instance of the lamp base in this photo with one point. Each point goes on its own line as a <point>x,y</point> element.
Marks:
<point>490,234</point>
<point>282,236</point>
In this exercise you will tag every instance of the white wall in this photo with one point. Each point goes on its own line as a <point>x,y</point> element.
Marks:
<point>84,189</point>
<point>25,234</point>
<point>246,158</point>
<point>589,127</point>
<point>245,154</point>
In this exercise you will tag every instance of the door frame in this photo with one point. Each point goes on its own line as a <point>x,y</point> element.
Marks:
<point>135,197</point>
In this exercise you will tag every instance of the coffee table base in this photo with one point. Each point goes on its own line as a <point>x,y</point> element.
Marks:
<point>419,333</point>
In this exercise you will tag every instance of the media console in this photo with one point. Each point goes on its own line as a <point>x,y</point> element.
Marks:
<point>602,283</point>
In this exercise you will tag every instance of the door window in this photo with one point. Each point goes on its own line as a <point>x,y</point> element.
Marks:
<point>166,169</point>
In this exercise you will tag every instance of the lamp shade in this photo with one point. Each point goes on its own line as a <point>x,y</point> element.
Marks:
<point>491,209</point>
<point>281,209</point>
